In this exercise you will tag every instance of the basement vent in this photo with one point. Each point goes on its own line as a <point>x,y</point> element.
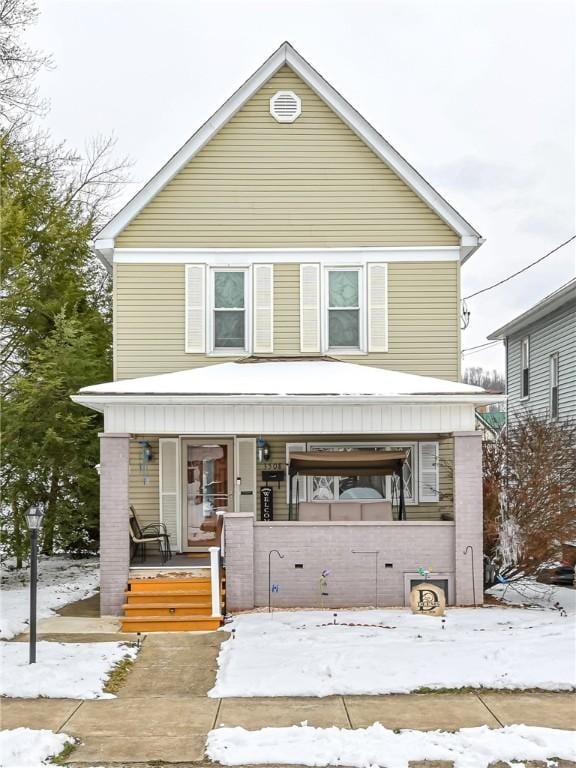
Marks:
<point>285,106</point>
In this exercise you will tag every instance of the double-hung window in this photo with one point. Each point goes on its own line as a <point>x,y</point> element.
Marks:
<point>344,309</point>
<point>525,365</point>
<point>229,316</point>
<point>554,381</point>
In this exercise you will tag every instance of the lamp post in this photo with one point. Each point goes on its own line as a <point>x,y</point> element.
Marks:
<point>34,520</point>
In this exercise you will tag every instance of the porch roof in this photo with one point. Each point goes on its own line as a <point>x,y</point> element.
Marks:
<point>291,379</point>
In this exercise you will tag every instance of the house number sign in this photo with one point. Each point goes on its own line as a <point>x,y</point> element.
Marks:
<point>266,504</point>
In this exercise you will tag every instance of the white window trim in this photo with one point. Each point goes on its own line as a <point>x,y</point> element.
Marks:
<point>362,309</point>
<point>212,351</point>
<point>553,367</point>
<point>527,340</point>
<point>413,444</point>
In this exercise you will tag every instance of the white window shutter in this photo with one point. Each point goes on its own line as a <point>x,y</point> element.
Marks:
<point>298,483</point>
<point>246,475</point>
<point>378,307</point>
<point>263,307</point>
<point>195,319</point>
<point>309,307</point>
<point>169,488</point>
<point>428,472</point>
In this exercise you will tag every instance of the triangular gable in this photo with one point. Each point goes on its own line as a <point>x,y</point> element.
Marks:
<point>286,57</point>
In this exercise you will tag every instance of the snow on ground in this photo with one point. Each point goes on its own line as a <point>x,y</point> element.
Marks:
<point>530,593</point>
<point>379,746</point>
<point>61,580</point>
<point>62,670</point>
<point>302,653</point>
<point>25,748</point>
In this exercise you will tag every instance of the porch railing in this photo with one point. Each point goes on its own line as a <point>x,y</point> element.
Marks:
<point>215,580</point>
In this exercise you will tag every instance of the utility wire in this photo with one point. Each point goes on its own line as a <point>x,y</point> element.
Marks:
<point>481,346</point>
<point>474,351</point>
<point>505,280</point>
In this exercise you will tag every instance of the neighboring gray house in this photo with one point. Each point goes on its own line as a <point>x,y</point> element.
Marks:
<point>541,356</point>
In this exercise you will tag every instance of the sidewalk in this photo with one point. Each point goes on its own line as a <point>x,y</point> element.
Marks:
<point>173,728</point>
<point>162,712</point>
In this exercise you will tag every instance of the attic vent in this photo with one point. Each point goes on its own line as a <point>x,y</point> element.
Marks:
<point>285,106</point>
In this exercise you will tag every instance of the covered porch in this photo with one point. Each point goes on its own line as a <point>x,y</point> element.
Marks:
<point>187,448</point>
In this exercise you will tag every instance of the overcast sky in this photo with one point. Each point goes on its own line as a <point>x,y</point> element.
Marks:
<point>478,95</point>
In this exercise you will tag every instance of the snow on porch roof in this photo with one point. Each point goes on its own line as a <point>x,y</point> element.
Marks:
<point>296,378</point>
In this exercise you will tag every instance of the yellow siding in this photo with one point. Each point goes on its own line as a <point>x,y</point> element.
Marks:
<point>146,501</point>
<point>259,183</point>
<point>423,319</point>
<point>413,511</point>
<point>144,496</point>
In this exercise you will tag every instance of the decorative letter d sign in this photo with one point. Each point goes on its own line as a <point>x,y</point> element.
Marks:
<point>428,599</point>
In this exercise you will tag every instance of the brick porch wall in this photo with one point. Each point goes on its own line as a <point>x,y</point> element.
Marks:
<point>338,547</point>
<point>114,519</point>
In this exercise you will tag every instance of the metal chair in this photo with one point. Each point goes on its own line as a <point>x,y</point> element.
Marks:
<point>154,532</point>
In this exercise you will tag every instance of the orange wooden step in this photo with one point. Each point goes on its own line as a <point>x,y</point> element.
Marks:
<point>135,598</point>
<point>173,585</point>
<point>167,609</point>
<point>170,623</point>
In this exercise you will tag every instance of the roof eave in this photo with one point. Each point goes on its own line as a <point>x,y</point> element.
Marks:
<point>99,401</point>
<point>564,295</point>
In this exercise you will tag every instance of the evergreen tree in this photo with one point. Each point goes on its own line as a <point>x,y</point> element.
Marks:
<point>56,338</point>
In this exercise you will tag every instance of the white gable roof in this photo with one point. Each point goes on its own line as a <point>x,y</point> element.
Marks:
<point>287,55</point>
<point>294,378</point>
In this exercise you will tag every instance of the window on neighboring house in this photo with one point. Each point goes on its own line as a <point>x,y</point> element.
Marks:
<point>363,487</point>
<point>229,310</point>
<point>343,304</point>
<point>525,384</point>
<point>554,376</point>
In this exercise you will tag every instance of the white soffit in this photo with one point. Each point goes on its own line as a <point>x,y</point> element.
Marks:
<point>287,55</point>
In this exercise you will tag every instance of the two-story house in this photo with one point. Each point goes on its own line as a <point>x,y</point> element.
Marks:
<point>286,348</point>
<point>541,357</point>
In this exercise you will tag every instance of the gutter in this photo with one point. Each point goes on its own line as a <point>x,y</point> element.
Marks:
<point>98,401</point>
<point>104,252</point>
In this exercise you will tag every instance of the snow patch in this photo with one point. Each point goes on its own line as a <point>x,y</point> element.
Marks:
<point>379,746</point>
<point>303,653</point>
<point>295,377</point>
<point>61,581</point>
<point>62,670</point>
<point>25,748</point>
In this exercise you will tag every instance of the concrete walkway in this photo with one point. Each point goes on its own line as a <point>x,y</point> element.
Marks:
<point>162,712</point>
<point>172,728</point>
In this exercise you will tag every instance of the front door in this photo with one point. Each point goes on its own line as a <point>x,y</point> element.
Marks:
<point>208,488</point>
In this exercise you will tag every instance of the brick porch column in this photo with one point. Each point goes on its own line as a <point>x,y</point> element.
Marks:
<point>468,516</point>
<point>114,520</point>
<point>239,541</point>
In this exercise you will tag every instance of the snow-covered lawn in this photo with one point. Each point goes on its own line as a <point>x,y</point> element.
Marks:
<point>60,581</point>
<point>303,653</point>
<point>62,670</point>
<point>25,748</point>
<point>530,593</point>
<point>378,746</point>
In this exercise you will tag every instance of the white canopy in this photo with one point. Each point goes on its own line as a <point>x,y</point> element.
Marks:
<point>293,378</point>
